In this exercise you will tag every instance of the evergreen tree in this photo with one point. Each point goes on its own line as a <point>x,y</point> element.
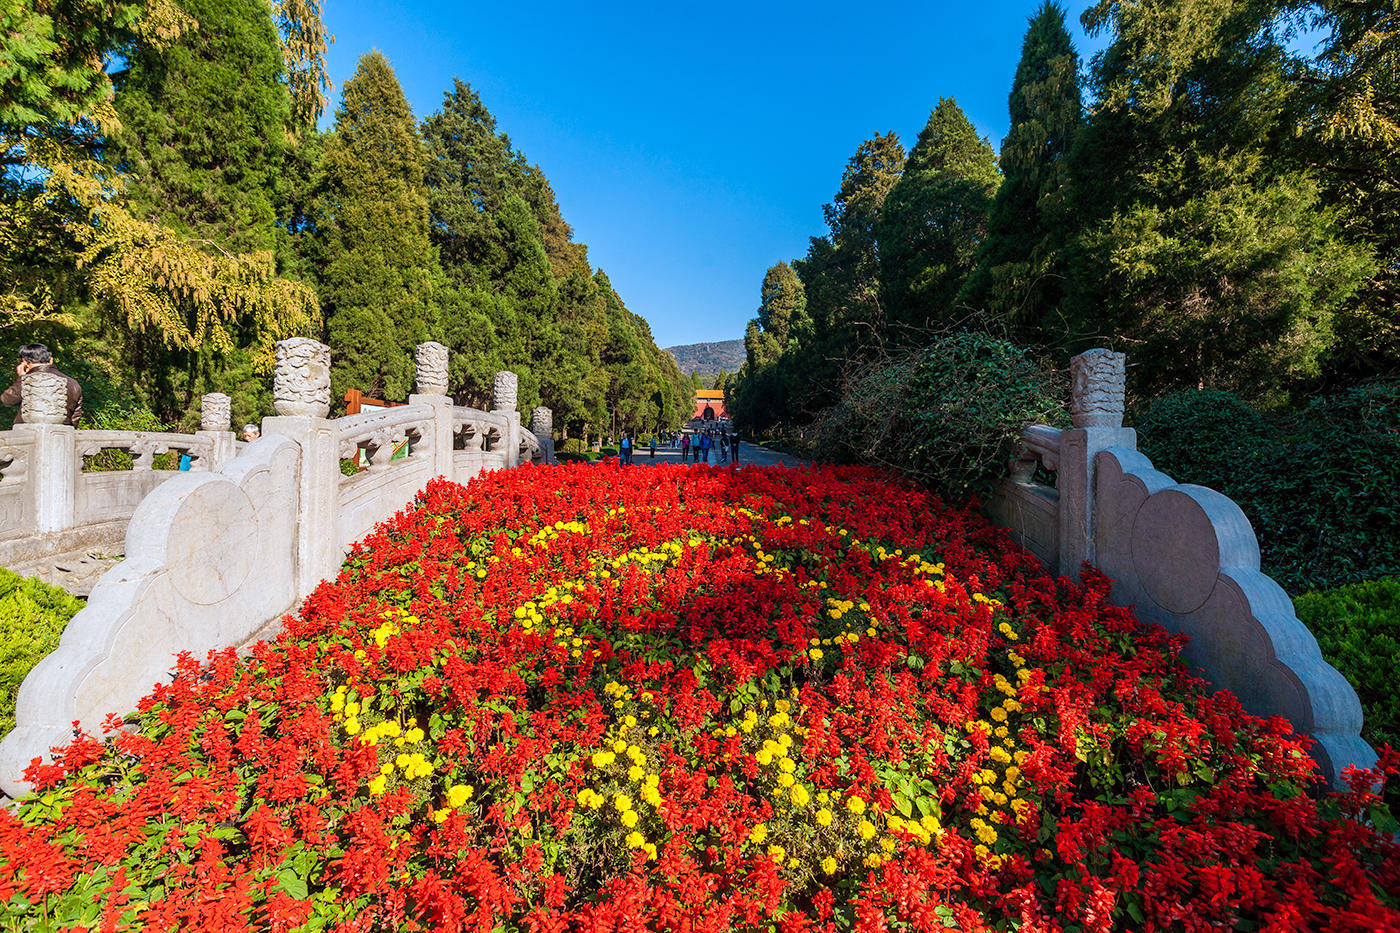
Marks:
<point>1204,249</point>
<point>757,397</point>
<point>379,274</point>
<point>1020,273</point>
<point>840,275</point>
<point>1348,114</point>
<point>935,219</point>
<point>204,126</point>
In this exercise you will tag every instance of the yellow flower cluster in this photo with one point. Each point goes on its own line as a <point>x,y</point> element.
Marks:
<point>551,532</point>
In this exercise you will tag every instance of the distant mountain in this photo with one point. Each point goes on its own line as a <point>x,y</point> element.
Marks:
<point>709,358</point>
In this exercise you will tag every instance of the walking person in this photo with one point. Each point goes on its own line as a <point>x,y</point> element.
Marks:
<point>624,452</point>
<point>734,447</point>
<point>705,445</point>
<point>685,448</point>
<point>653,447</point>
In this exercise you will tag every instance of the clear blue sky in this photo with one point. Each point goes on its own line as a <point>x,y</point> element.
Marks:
<point>692,147</point>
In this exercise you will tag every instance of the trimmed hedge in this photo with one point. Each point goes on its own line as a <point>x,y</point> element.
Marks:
<point>1358,629</point>
<point>1321,486</point>
<point>32,617</point>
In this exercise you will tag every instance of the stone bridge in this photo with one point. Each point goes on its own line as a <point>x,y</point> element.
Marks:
<point>216,555</point>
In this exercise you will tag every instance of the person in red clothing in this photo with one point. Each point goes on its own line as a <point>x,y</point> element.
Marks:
<point>35,357</point>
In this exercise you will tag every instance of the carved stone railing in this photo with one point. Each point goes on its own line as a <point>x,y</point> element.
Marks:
<point>1185,557</point>
<point>51,507</point>
<point>215,557</point>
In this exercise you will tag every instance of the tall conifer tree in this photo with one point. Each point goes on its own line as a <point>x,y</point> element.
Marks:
<point>840,274</point>
<point>1020,272</point>
<point>204,126</point>
<point>935,219</point>
<point>379,274</point>
<point>1204,249</point>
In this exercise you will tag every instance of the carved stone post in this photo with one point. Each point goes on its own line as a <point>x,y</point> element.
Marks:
<point>503,402</point>
<point>215,415</point>
<point>53,474</point>
<point>504,392</point>
<point>301,382</point>
<point>1097,380</point>
<point>301,396</point>
<point>542,426</point>
<point>431,359</point>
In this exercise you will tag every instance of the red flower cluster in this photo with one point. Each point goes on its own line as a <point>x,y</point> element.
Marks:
<point>606,699</point>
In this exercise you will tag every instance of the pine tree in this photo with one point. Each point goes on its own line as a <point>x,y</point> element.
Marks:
<point>934,220</point>
<point>840,274</point>
<point>1020,273</point>
<point>379,275</point>
<point>1204,248</point>
<point>204,127</point>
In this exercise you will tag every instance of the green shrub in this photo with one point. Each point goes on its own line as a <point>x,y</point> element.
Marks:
<point>1321,486</point>
<point>32,617</point>
<point>571,445</point>
<point>1358,629</point>
<point>124,416</point>
<point>607,452</point>
<point>1212,437</point>
<point>584,456</point>
<point>947,415</point>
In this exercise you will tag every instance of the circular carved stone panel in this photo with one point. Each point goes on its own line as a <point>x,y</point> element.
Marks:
<point>212,542</point>
<point>1176,551</point>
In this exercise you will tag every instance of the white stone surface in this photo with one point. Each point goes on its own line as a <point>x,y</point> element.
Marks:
<point>1187,559</point>
<point>431,360</point>
<point>43,398</point>
<point>301,382</point>
<point>504,391</point>
<point>215,412</point>
<point>229,534</point>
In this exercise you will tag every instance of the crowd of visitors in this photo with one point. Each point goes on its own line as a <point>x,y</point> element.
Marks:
<point>708,445</point>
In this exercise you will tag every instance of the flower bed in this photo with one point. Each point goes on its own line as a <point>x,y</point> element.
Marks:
<point>694,699</point>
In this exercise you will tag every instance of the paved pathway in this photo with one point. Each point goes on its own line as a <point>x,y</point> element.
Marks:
<point>749,454</point>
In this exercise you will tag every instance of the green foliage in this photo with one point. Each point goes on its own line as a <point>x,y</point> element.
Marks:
<point>1210,438</point>
<point>1321,486</point>
<point>378,272</point>
<point>1358,630</point>
<point>32,618</point>
<point>1202,244</point>
<point>845,317</point>
<point>947,415</point>
<point>53,55</point>
<point>523,296</point>
<point>1020,274</point>
<point>204,127</point>
<point>933,222</point>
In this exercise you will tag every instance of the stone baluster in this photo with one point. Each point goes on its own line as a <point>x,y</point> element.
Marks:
<point>215,424</point>
<point>53,473</point>
<point>301,396</point>
<point>504,391</point>
<point>432,359</point>
<point>542,426</point>
<point>1097,380</point>
<point>503,402</point>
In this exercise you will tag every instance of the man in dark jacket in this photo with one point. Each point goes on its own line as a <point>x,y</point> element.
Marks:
<point>35,357</point>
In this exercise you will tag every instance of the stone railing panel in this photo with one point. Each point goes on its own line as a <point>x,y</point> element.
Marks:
<point>1187,559</point>
<point>377,431</point>
<point>198,545</point>
<point>144,446</point>
<point>17,517</point>
<point>369,498</point>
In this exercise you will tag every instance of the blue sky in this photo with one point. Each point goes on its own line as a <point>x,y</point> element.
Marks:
<point>692,147</point>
